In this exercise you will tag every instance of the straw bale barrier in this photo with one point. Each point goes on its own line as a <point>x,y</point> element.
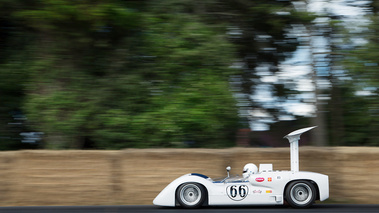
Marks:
<point>136,176</point>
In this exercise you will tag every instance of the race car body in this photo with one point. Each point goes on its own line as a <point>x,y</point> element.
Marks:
<point>259,187</point>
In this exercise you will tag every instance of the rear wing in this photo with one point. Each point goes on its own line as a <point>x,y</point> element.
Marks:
<point>293,139</point>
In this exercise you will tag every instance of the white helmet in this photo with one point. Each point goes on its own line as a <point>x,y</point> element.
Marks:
<point>249,169</point>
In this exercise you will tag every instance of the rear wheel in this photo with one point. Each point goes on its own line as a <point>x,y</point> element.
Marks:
<point>191,195</point>
<point>300,194</point>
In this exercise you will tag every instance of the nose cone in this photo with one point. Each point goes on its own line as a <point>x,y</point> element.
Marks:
<point>166,197</point>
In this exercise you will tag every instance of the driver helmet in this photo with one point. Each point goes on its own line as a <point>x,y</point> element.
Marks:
<point>249,169</point>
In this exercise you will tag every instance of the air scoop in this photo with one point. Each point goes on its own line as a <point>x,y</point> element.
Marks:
<point>294,138</point>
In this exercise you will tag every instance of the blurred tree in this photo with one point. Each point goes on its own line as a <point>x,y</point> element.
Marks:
<point>260,30</point>
<point>352,109</point>
<point>362,109</point>
<point>104,75</point>
<point>14,58</point>
<point>113,74</point>
<point>77,52</point>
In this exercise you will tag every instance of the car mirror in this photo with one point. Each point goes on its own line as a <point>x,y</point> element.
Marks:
<point>228,170</point>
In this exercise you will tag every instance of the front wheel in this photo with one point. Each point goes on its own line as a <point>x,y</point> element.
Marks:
<point>300,194</point>
<point>191,195</point>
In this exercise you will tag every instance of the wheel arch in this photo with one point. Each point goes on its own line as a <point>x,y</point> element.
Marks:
<point>206,201</point>
<point>308,180</point>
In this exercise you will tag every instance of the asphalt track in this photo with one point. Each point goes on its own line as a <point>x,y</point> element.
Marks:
<point>324,208</point>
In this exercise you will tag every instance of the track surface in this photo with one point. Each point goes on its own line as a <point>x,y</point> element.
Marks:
<point>324,208</point>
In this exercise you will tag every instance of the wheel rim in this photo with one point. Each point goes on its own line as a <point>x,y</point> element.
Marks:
<point>301,193</point>
<point>190,194</point>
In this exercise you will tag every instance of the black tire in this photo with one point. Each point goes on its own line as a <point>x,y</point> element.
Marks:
<point>300,194</point>
<point>191,195</point>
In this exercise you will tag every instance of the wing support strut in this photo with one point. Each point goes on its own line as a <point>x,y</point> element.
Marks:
<point>293,139</point>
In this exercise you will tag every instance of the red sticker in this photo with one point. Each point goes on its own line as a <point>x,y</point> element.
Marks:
<point>269,179</point>
<point>259,179</point>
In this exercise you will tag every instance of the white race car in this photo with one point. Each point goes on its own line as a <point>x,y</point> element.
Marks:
<point>264,187</point>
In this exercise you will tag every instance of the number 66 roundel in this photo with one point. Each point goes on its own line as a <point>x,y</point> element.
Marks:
<point>237,192</point>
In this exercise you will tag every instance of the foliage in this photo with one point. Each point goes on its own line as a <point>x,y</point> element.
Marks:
<point>103,75</point>
<point>361,111</point>
<point>187,101</point>
<point>113,74</point>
